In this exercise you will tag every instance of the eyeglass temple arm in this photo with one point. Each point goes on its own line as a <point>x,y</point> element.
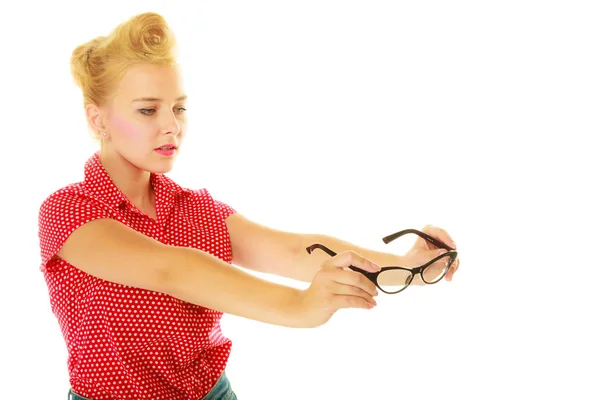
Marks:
<point>332,253</point>
<point>425,236</point>
<point>327,250</point>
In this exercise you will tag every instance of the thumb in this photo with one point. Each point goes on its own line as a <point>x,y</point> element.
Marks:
<point>350,258</point>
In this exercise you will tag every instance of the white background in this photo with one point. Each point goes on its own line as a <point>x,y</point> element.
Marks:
<point>354,119</point>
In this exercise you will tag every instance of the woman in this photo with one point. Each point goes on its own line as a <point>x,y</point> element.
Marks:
<point>139,270</point>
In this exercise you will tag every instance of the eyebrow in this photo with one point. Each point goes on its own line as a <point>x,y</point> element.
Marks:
<point>180,98</point>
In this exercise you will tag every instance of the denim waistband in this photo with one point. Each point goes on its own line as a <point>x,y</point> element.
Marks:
<point>221,391</point>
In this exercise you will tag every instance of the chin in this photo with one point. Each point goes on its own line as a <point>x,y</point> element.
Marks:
<point>159,165</point>
<point>162,167</point>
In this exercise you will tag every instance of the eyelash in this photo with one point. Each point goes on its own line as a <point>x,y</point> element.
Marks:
<point>145,110</point>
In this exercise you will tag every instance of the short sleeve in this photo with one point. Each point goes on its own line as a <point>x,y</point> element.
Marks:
<point>59,216</point>
<point>223,209</point>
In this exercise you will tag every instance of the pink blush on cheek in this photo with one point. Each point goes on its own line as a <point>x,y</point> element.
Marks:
<point>125,127</point>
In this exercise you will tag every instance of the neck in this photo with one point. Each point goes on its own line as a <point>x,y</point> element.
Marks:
<point>131,180</point>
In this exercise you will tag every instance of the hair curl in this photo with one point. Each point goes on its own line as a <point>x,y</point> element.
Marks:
<point>98,65</point>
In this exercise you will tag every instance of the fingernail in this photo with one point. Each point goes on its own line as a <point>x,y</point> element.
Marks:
<point>375,267</point>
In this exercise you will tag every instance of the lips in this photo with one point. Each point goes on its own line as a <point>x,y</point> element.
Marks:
<point>166,147</point>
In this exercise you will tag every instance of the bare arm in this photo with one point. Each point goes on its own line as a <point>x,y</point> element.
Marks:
<point>269,250</point>
<point>114,252</point>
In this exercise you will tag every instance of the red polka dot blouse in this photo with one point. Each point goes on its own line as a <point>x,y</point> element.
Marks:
<point>124,342</point>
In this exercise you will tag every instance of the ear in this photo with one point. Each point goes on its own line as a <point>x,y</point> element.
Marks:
<point>95,118</point>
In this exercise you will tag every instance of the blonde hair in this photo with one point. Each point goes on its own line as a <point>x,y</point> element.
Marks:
<point>98,65</point>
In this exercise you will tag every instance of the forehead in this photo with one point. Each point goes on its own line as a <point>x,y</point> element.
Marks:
<point>148,80</point>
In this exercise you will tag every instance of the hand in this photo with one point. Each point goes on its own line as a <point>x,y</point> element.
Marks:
<point>335,286</point>
<point>423,251</point>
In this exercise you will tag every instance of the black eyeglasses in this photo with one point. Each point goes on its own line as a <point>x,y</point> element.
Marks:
<point>393,279</point>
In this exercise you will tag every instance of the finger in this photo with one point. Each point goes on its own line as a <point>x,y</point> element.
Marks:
<point>348,258</point>
<point>450,275</point>
<point>348,301</point>
<point>421,243</point>
<point>453,269</point>
<point>454,265</point>
<point>425,256</point>
<point>440,234</point>
<point>349,290</point>
<point>356,279</point>
<point>427,245</point>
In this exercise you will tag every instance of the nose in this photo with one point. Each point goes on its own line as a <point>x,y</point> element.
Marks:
<point>171,125</point>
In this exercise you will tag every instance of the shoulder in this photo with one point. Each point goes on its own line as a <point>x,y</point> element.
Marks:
<point>69,203</point>
<point>61,213</point>
<point>59,196</point>
<point>198,194</point>
<point>69,193</point>
<point>204,199</point>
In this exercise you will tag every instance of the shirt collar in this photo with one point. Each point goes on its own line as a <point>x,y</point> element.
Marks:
<point>98,182</point>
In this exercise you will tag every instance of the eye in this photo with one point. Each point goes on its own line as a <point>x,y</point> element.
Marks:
<point>181,110</point>
<point>147,111</point>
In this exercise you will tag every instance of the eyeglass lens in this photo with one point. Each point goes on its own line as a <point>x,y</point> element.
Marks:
<point>395,280</point>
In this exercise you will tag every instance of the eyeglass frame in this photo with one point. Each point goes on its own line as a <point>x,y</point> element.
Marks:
<point>372,276</point>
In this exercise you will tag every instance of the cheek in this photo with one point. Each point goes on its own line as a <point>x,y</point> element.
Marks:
<point>127,128</point>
